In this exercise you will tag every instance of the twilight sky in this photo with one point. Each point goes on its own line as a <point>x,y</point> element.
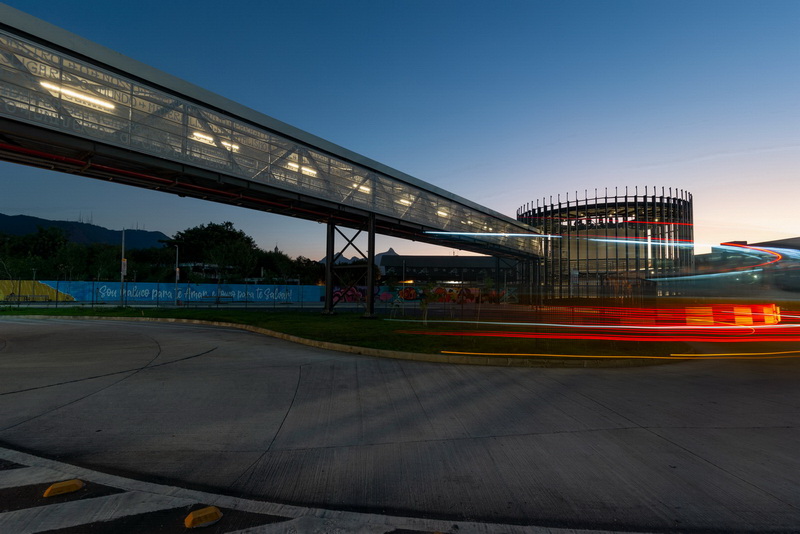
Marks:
<point>500,102</point>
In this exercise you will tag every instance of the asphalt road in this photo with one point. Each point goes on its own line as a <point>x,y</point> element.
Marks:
<point>694,446</point>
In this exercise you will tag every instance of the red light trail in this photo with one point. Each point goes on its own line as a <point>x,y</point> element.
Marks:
<point>718,323</point>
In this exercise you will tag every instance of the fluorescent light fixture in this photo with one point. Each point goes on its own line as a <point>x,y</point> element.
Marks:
<point>78,96</point>
<point>197,136</point>
<point>491,234</point>
<point>308,171</point>
<point>207,139</point>
<point>404,202</point>
<point>362,188</point>
<point>441,213</point>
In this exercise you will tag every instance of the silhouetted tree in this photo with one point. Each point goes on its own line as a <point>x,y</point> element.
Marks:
<point>309,272</point>
<point>222,250</point>
<point>219,252</point>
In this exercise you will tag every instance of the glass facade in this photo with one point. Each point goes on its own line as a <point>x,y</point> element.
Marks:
<point>47,88</point>
<point>612,245</point>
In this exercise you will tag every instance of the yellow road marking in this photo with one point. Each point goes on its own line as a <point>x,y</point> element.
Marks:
<point>724,356</point>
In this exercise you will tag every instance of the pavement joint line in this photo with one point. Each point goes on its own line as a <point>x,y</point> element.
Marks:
<point>464,359</point>
<point>172,494</point>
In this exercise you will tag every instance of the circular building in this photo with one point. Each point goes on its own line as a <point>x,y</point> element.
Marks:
<point>611,245</point>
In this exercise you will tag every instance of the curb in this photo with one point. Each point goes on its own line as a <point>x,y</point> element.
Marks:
<point>458,359</point>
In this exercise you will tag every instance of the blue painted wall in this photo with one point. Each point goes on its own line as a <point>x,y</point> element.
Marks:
<point>109,292</point>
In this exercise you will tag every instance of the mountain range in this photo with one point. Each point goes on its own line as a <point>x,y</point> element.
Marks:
<point>81,232</point>
<point>343,261</point>
<point>86,233</point>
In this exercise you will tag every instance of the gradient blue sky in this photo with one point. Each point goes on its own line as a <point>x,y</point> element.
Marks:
<point>500,102</point>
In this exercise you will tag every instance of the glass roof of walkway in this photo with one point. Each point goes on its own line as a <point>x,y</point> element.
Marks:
<point>57,88</point>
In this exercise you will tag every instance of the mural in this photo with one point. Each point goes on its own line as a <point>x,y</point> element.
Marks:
<point>187,293</point>
<point>457,295</point>
<point>155,293</point>
<point>30,291</point>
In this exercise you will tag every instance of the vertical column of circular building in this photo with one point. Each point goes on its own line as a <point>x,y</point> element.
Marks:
<point>688,230</point>
<point>675,230</point>
<point>564,248</point>
<point>659,251</point>
<point>589,231</point>
<point>669,241</point>
<point>616,229</point>
<point>655,233</point>
<point>606,226</point>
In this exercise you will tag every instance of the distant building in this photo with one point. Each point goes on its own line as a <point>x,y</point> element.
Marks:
<point>770,264</point>
<point>788,243</point>
<point>480,270</point>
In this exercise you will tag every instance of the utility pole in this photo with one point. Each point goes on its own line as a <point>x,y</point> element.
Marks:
<point>122,272</point>
<point>177,274</point>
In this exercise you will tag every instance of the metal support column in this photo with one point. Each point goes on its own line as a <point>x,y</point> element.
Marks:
<point>370,267</point>
<point>365,274</point>
<point>329,261</point>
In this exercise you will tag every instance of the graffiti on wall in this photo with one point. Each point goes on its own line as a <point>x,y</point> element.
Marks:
<point>456,295</point>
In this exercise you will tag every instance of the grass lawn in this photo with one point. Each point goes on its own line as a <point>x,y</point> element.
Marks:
<point>379,333</point>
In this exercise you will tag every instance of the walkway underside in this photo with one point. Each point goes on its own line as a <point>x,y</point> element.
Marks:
<point>52,150</point>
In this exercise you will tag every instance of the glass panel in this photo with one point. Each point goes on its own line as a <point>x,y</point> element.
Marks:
<point>40,86</point>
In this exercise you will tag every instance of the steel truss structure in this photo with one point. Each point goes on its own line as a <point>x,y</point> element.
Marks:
<point>611,245</point>
<point>366,273</point>
<point>74,106</point>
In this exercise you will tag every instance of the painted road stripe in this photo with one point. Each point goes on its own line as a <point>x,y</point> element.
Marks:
<point>25,476</point>
<point>70,514</point>
<point>171,521</point>
<point>158,496</point>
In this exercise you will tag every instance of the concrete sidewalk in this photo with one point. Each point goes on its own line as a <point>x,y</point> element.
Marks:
<point>704,445</point>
